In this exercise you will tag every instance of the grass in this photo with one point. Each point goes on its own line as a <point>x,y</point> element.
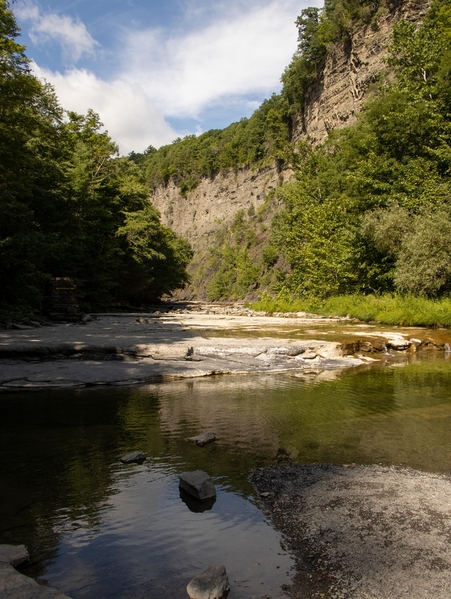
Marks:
<point>388,309</point>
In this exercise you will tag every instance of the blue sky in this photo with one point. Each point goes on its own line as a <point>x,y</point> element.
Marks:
<point>157,70</point>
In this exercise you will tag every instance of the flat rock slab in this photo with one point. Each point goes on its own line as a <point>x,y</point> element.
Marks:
<point>198,484</point>
<point>14,585</point>
<point>211,584</point>
<point>118,350</point>
<point>203,439</point>
<point>369,531</point>
<point>13,554</point>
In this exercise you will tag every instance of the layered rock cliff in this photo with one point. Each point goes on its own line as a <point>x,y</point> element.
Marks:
<point>215,202</point>
<point>333,101</point>
<point>349,69</point>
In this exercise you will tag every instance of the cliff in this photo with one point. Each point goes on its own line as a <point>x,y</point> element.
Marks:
<point>349,69</point>
<point>215,202</point>
<point>333,101</point>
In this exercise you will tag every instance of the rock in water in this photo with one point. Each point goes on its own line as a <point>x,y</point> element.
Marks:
<point>136,456</point>
<point>211,584</point>
<point>198,484</point>
<point>13,554</point>
<point>202,440</point>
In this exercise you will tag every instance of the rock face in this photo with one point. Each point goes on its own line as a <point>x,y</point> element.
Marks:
<point>215,202</point>
<point>332,102</point>
<point>350,67</point>
<point>211,584</point>
<point>198,484</point>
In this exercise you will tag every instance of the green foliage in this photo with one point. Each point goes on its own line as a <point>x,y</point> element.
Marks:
<point>69,205</point>
<point>32,180</point>
<point>263,137</point>
<point>317,235</point>
<point>370,211</point>
<point>156,258</point>
<point>403,310</point>
<point>239,259</point>
<point>233,269</point>
<point>424,260</point>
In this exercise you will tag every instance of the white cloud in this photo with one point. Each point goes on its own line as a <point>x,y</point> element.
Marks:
<point>71,34</point>
<point>221,63</point>
<point>127,113</point>
<point>240,53</point>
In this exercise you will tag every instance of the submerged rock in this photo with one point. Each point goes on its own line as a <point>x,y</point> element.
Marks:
<point>211,584</point>
<point>194,505</point>
<point>203,439</point>
<point>198,484</point>
<point>136,456</point>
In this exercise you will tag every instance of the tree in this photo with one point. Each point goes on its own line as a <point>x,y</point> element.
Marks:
<point>32,179</point>
<point>65,194</point>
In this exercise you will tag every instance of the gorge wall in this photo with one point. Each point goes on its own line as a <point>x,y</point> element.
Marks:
<point>350,68</point>
<point>333,101</point>
<point>215,201</point>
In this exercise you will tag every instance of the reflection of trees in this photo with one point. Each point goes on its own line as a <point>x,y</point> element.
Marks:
<point>57,450</point>
<point>396,415</point>
<point>60,452</point>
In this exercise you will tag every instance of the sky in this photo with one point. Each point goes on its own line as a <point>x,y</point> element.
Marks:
<point>155,70</point>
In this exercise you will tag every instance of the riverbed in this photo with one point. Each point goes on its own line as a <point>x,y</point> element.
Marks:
<point>98,528</point>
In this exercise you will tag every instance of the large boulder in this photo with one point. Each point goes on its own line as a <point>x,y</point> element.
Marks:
<point>13,584</point>
<point>211,584</point>
<point>198,484</point>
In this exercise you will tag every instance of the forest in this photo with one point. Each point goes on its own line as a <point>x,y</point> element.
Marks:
<point>70,206</point>
<point>369,211</point>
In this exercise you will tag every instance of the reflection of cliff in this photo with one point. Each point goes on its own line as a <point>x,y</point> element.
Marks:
<point>236,409</point>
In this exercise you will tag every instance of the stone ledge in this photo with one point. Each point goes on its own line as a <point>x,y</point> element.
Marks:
<point>13,584</point>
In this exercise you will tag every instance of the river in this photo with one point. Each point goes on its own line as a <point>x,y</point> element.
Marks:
<point>98,528</point>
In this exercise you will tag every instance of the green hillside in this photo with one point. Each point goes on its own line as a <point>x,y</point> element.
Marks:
<point>370,210</point>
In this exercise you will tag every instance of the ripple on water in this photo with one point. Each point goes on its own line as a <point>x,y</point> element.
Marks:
<point>99,528</point>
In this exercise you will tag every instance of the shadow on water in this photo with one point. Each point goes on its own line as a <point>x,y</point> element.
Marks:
<point>99,528</point>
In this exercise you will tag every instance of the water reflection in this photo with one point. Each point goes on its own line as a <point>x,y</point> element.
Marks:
<point>99,528</point>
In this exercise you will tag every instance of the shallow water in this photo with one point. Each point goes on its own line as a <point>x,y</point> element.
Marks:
<point>98,528</point>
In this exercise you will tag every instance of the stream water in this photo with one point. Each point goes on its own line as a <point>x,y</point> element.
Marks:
<point>96,528</point>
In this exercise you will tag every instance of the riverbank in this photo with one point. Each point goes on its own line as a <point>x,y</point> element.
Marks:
<point>126,349</point>
<point>362,531</point>
<point>391,309</point>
